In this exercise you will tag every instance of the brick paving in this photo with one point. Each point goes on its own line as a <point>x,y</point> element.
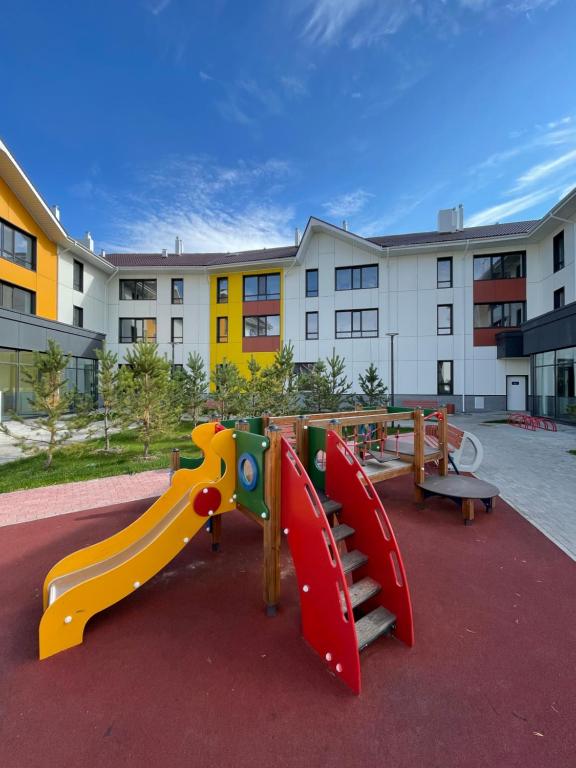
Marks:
<point>38,503</point>
<point>534,471</point>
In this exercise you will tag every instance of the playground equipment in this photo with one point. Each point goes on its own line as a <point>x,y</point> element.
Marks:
<point>458,442</point>
<point>351,578</point>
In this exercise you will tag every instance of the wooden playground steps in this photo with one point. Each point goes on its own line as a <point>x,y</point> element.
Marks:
<point>378,622</point>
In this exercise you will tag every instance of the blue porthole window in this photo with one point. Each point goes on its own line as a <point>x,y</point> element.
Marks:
<point>248,471</point>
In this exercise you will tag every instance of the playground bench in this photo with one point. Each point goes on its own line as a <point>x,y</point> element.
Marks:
<point>457,439</point>
<point>426,404</point>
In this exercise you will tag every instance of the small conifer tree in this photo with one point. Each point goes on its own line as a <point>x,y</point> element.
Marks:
<point>195,385</point>
<point>108,389</point>
<point>228,389</point>
<point>146,393</point>
<point>375,392</point>
<point>51,399</point>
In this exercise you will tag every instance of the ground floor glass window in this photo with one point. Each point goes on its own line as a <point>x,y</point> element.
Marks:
<point>554,376</point>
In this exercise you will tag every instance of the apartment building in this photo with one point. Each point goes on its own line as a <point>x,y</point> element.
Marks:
<point>480,317</point>
<point>51,286</point>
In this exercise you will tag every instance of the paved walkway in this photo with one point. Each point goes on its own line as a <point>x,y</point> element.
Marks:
<point>38,503</point>
<point>534,471</point>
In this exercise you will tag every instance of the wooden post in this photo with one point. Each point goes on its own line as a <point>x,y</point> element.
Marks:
<point>302,439</point>
<point>272,526</point>
<point>443,441</point>
<point>419,469</point>
<point>174,462</point>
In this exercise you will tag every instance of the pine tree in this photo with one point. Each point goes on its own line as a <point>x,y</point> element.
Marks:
<point>229,386</point>
<point>314,385</point>
<point>338,384</point>
<point>255,395</point>
<point>51,398</point>
<point>195,385</point>
<point>108,389</point>
<point>373,388</point>
<point>284,387</point>
<point>146,393</point>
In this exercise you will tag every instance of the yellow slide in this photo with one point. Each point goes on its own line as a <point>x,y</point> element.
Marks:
<point>94,578</point>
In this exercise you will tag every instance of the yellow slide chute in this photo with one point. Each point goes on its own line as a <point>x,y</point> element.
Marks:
<point>94,578</point>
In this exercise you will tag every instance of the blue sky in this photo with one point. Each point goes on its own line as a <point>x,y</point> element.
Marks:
<point>229,123</point>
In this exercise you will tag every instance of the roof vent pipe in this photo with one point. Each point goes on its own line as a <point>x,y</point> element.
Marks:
<point>56,212</point>
<point>89,241</point>
<point>296,236</point>
<point>103,253</point>
<point>178,248</point>
<point>345,225</point>
<point>164,253</point>
<point>460,216</point>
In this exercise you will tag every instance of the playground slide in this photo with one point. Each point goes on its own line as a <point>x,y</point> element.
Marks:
<point>92,579</point>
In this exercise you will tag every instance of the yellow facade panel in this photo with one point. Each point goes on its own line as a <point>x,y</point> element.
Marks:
<point>44,281</point>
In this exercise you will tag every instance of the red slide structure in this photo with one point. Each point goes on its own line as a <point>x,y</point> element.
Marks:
<point>350,574</point>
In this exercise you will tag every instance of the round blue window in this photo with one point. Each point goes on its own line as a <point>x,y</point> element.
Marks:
<point>248,471</point>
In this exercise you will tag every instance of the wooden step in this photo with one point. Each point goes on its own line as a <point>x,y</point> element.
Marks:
<point>372,626</point>
<point>342,531</point>
<point>330,506</point>
<point>361,591</point>
<point>353,560</point>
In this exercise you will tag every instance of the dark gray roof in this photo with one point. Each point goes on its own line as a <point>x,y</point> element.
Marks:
<point>199,259</point>
<point>284,252</point>
<point>468,233</point>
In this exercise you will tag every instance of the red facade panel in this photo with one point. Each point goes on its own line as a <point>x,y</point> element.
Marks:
<point>261,343</point>
<point>261,307</point>
<point>489,291</point>
<point>486,337</point>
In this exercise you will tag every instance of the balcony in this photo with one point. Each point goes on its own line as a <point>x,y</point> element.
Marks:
<point>509,344</point>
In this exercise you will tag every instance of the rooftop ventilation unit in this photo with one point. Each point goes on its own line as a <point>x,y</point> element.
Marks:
<point>164,253</point>
<point>178,247</point>
<point>88,241</point>
<point>451,219</point>
<point>56,212</point>
<point>296,236</point>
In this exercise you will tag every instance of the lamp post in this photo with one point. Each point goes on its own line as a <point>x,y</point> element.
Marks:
<point>392,366</point>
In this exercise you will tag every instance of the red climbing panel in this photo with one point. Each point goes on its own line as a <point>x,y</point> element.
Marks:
<point>363,511</point>
<point>321,580</point>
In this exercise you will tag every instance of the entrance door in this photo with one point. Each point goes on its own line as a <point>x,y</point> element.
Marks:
<point>516,388</point>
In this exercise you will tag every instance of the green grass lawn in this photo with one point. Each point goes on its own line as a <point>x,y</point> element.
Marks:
<point>85,461</point>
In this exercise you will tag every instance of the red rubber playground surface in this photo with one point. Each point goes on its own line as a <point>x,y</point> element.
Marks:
<point>189,672</point>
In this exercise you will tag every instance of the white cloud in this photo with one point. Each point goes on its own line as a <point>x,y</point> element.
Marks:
<point>510,208</point>
<point>294,85</point>
<point>347,204</point>
<point>210,206</point>
<point>364,22</point>
<point>158,7</point>
<point>543,170</point>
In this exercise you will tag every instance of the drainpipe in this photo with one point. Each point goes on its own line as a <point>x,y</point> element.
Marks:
<point>464,370</point>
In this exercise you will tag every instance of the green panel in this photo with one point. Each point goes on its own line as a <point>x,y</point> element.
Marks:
<point>255,424</point>
<point>256,445</point>
<point>190,462</point>
<point>316,442</point>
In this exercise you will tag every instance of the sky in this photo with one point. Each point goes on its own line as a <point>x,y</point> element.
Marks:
<point>229,123</point>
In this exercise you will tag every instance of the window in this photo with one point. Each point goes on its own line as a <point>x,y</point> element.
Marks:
<point>262,325</point>
<point>78,317</point>
<point>222,290</point>
<point>350,278</point>
<point>262,287</point>
<point>444,320</point>
<point>302,368</point>
<point>311,282</point>
<point>222,330</point>
<point>17,299</point>
<point>559,298</point>
<point>134,329</point>
<point>138,290</point>
<point>311,325</point>
<point>506,315</point>
<point>500,266</point>
<point>17,246</point>
<point>445,377</point>
<point>444,272</point>
<point>78,276</point>
<point>177,330</point>
<point>356,323</point>
<point>177,290</point>
<point>558,251</point>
